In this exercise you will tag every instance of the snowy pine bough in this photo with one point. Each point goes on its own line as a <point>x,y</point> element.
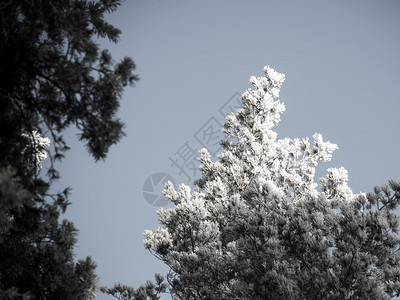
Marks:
<point>258,226</point>
<point>35,148</point>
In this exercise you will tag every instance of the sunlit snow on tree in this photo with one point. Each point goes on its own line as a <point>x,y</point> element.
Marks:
<point>258,225</point>
<point>36,148</point>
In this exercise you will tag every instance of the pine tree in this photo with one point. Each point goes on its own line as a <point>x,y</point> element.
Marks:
<point>258,226</point>
<point>52,75</point>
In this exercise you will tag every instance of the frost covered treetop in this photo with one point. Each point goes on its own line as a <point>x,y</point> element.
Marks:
<point>253,153</point>
<point>257,226</point>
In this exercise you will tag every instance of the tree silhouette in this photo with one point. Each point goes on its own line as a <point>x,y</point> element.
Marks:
<point>52,75</point>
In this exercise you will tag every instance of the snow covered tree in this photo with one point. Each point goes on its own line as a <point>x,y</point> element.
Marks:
<point>258,226</point>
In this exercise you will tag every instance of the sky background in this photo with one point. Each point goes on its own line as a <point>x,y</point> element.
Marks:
<point>341,61</point>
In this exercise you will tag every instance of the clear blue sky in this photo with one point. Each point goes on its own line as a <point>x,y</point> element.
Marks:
<point>341,60</point>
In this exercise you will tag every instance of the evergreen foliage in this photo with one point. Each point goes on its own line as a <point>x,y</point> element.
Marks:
<point>147,291</point>
<point>258,226</point>
<point>52,75</point>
